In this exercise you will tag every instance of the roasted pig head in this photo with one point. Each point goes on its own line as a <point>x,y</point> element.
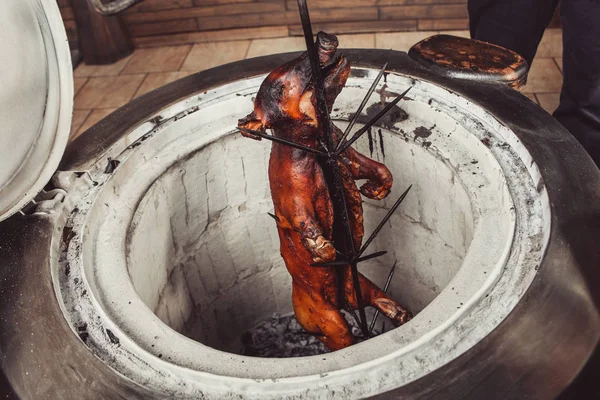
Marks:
<point>287,99</point>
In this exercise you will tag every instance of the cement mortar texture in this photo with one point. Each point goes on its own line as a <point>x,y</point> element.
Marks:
<point>177,239</point>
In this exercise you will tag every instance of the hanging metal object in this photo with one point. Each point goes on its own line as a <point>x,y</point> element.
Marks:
<point>113,7</point>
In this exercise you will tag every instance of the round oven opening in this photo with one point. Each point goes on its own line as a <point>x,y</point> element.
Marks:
<point>172,256</point>
<point>203,254</point>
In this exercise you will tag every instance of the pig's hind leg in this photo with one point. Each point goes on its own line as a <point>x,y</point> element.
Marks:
<point>375,297</point>
<point>321,318</point>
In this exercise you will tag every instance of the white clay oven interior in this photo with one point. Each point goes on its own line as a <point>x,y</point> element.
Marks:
<point>203,254</point>
<point>174,252</point>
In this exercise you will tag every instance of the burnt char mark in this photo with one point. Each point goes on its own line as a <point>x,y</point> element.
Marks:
<point>84,336</point>
<point>395,115</point>
<point>483,61</point>
<point>359,73</point>
<point>112,337</point>
<point>422,132</point>
<point>112,165</point>
<point>67,235</point>
<point>270,100</point>
<point>381,142</point>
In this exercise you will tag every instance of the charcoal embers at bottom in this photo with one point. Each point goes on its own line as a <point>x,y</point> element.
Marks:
<point>282,336</point>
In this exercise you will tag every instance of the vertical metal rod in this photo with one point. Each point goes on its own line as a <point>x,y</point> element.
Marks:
<point>325,123</point>
<point>383,221</point>
<point>385,289</point>
<point>372,122</point>
<point>361,107</point>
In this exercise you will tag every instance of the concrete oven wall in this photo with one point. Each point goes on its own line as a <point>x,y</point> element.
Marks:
<point>203,253</point>
<point>468,239</point>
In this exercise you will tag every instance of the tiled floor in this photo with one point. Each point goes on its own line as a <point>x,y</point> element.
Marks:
<point>99,90</point>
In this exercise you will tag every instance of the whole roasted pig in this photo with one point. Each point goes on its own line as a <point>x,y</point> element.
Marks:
<point>308,225</point>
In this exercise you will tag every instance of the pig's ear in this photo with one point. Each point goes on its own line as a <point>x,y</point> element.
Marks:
<point>252,122</point>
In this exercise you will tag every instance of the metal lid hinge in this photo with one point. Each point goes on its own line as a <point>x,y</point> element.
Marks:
<point>52,199</point>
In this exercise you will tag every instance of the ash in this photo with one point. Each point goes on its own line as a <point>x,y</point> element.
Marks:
<point>282,337</point>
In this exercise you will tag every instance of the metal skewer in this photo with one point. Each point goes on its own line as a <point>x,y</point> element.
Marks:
<point>385,289</point>
<point>337,190</point>
<point>372,122</point>
<point>383,221</point>
<point>283,141</point>
<point>361,107</point>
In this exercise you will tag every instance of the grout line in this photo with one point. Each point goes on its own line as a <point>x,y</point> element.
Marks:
<point>135,94</point>
<point>557,66</point>
<point>191,46</point>
<point>74,133</point>
<point>79,132</point>
<point>137,89</point>
<point>87,79</point>
<point>248,49</point>
<point>128,61</point>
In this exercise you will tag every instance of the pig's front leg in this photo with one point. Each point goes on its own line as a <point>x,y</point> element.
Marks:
<point>304,207</point>
<point>379,178</point>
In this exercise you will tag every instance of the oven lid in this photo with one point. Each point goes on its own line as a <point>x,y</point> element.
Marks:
<point>36,99</point>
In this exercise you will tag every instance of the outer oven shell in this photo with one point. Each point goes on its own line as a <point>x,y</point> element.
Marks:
<point>535,353</point>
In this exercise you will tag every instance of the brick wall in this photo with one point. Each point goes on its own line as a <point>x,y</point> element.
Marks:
<point>160,17</point>
<point>155,22</point>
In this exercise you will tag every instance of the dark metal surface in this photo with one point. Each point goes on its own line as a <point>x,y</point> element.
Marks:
<point>463,58</point>
<point>534,354</point>
<point>41,357</point>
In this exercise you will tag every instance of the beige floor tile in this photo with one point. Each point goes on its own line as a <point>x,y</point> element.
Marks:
<point>464,33</point>
<point>402,41</point>
<point>158,59</point>
<point>108,91</point>
<point>264,47</point>
<point>84,70</point>
<point>207,55</point>
<point>544,77</point>
<point>79,117</point>
<point>549,101</point>
<point>113,69</point>
<point>78,84</point>
<point>153,81</point>
<point>531,97</point>
<point>551,44</point>
<point>93,117</point>
<point>559,63</point>
<point>364,41</point>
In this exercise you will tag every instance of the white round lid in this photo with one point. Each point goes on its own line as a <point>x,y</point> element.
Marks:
<point>36,99</point>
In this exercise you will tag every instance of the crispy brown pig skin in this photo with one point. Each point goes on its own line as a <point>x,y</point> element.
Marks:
<point>286,104</point>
